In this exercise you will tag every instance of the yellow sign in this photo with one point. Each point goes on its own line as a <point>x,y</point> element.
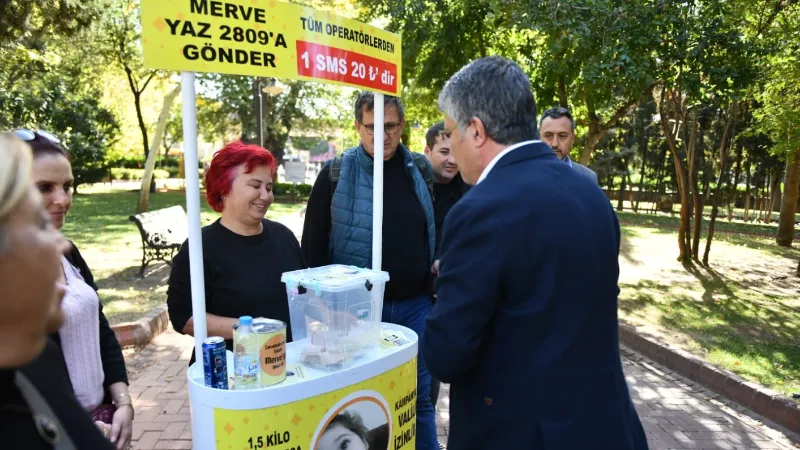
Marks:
<point>376,414</point>
<point>269,39</point>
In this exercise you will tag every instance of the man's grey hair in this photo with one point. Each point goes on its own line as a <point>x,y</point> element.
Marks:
<point>496,91</point>
<point>366,102</point>
<point>558,112</point>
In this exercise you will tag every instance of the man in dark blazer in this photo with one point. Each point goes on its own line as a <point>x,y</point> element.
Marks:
<point>558,131</point>
<point>529,345</point>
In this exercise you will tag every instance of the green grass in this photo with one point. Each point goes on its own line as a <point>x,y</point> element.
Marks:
<point>98,224</point>
<point>742,313</point>
<point>756,236</point>
<point>670,222</point>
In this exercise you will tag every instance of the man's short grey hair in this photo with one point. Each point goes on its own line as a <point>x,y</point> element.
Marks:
<point>557,112</point>
<point>496,91</point>
<point>366,102</point>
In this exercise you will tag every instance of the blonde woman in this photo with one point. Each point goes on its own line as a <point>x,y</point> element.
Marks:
<point>37,407</point>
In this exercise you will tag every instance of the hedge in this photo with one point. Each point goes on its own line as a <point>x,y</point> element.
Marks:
<point>290,189</point>
<point>137,162</point>
<point>118,173</point>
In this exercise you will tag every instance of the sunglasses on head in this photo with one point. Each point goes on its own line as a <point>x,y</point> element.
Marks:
<point>29,135</point>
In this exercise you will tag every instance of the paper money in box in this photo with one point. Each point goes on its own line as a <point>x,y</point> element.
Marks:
<point>335,311</point>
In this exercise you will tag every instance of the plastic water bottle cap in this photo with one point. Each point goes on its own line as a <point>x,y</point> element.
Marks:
<point>246,320</point>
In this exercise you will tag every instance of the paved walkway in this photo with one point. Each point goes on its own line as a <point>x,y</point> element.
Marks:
<point>676,413</point>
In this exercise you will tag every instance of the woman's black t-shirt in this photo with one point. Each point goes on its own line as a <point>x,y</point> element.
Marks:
<point>242,275</point>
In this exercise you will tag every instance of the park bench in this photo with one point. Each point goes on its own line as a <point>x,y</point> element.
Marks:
<point>163,232</point>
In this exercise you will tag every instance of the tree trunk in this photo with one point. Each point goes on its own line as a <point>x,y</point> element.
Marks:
<point>747,190</point>
<point>774,195</point>
<point>660,174</point>
<point>595,135</point>
<point>597,129</point>
<point>137,90</point>
<point>760,200</point>
<point>659,182</point>
<point>798,269</point>
<point>143,128</point>
<point>762,212</point>
<point>708,173</point>
<point>137,101</point>
<point>274,140</point>
<point>563,99</point>
<point>642,176</point>
<point>791,184</point>
<point>697,199</point>
<point>150,165</point>
<point>684,252</point>
<point>623,184</point>
<point>765,197</point>
<point>723,159</point>
<point>737,172</point>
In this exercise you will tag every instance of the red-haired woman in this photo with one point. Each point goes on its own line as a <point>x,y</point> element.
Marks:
<point>244,254</point>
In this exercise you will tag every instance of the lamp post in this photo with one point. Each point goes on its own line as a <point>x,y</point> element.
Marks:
<point>260,113</point>
<point>271,87</point>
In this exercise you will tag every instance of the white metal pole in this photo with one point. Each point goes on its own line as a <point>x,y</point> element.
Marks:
<point>193,211</point>
<point>377,186</point>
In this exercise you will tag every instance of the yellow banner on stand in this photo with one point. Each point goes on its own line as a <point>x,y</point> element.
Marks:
<point>269,39</point>
<point>379,414</point>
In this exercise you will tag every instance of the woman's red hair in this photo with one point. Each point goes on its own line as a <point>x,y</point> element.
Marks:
<point>220,175</point>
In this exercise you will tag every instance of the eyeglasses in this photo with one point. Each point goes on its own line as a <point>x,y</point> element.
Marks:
<point>388,128</point>
<point>29,135</point>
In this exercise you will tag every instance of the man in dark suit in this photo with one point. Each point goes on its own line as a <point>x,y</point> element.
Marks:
<point>529,346</point>
<point>558,131</point>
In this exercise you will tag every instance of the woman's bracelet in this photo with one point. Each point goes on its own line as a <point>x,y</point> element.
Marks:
<point>119,404</point>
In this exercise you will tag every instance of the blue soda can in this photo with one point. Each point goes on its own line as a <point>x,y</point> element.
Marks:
<point>215,362</point>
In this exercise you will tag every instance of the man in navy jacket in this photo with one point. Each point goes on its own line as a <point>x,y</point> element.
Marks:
<point>525,327</point>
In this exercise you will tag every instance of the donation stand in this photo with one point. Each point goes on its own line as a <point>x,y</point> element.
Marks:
<point>296,413</point>
<point>377,381</point>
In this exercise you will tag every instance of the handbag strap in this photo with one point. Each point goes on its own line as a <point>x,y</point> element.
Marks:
<point>43,415</point>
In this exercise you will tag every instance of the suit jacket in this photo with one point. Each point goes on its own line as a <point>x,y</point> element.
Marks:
<point>525,327</point>
<point>583,169</point>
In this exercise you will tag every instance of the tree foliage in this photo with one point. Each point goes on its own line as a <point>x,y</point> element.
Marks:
<point>36,20</point>
<point>44,83</point>
<point>230,103</point>
<point>684,65</point>
<point>117,42</point>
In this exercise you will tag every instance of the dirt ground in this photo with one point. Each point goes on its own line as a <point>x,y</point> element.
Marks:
<point>741,313</point>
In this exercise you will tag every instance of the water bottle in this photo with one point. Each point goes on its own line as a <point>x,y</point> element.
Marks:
<point>245,354</point>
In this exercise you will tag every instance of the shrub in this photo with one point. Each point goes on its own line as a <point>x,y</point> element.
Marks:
<point>121,173</point>
<point>294,190</point>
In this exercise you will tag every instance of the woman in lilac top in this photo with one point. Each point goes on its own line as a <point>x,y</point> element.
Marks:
<point>92,354</point>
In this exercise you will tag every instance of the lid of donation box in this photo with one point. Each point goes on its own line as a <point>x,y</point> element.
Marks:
<point>334,278</point>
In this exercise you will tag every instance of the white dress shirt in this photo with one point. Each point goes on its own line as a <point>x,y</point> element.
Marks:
<point>506,151</point>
